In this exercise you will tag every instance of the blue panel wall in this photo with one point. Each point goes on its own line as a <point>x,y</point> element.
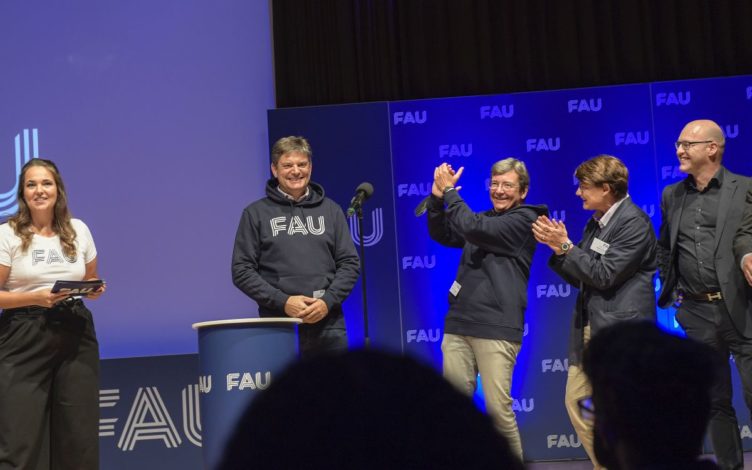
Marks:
<point>552,132</point>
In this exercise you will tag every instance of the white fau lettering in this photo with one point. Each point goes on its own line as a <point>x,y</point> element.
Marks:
<point>455,150</point>
<point>563,440</point>
<point>497,112</point>
<point>632,138</point>
<point>554,365</point>
<point>410,117</point>
<point>579,106</point>
<point>749,92</point>
<point>148,420</point>
<point>681,98</point>
<point>649,209</point>
<point>246,380</point>
<point>296,225</point>
<point>543,145</point>
<point>414,189</point>
<point>51,256</point>
<point>418,262</point>
<point>553,290</point>
<point>745,433</point>
<point>423,336</point>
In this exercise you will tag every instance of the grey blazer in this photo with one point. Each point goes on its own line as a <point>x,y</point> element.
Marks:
<point>730,277</point>
<point>616,285</point>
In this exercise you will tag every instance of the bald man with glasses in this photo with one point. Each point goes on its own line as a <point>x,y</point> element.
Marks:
<point>699,273</point>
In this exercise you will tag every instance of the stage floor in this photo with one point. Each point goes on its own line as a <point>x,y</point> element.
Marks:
<point>585,464</point>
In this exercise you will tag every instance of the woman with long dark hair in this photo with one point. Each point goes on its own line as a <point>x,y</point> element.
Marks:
<point>49,355</point>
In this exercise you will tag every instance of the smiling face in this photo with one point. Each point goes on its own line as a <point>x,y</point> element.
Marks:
<point>504,191</point>
<point>699,147</point>
<point>39,190</point>
<point>595,197</point>
<point>293,172</point>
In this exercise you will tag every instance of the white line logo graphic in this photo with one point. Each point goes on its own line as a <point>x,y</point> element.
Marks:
<point>8,203</point>
<point>377,220</point>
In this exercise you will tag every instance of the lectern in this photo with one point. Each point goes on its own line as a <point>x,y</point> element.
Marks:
<point>237,360</point>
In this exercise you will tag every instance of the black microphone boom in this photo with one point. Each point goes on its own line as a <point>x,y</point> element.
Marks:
<point>362,192</point>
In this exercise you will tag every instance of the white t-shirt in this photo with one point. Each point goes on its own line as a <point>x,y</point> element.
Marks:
<point>44,261</point>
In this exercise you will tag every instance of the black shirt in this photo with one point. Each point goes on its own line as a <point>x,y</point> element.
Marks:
<point>696,238</point>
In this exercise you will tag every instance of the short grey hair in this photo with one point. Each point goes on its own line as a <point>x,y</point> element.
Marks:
<point>290,144</point>
<point>512,164</point>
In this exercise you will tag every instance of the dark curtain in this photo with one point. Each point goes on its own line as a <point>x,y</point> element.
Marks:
<point>342,51</point>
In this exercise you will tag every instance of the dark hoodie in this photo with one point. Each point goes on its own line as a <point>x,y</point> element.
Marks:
<point>284,248</point>
<point>497,251</point>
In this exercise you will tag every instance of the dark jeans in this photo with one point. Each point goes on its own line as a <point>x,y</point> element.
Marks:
<point>710,323</point>
<point>49,389</point>
<point>314,341</point>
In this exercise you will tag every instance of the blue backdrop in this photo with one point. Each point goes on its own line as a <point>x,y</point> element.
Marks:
<point>396,146</point>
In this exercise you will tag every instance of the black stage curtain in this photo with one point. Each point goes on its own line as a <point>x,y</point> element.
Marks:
<point>343,51</point>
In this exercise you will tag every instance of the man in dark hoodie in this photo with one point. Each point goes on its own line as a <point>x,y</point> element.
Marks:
<point>293,253</point>
<point>487,301</point>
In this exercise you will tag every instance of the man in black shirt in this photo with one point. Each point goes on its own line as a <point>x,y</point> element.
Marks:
<point>700,216</point>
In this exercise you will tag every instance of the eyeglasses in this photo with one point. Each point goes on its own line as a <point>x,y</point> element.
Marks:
<point>506,186</point>
<point>587,409</point>
<point>687,144</point>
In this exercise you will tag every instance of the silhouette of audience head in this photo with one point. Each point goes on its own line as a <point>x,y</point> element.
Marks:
<point>651,396</point>
<point>360,410</point>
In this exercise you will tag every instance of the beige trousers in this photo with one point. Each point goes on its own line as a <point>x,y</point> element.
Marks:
<point>465,357</point>
<point>578,387</point>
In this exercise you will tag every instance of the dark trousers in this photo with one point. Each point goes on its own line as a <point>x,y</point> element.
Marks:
<point>710,323</point>
<point>49,389</point>
<point>314,341</point>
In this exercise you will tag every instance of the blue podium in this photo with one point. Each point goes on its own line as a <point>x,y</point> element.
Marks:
<point>238,359</point>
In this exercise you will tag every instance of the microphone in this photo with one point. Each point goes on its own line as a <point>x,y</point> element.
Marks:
<point>362,192</point>
<point>422,207</point>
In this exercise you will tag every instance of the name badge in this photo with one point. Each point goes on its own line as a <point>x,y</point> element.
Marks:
<point>455,289</point>
<point>599,246</point>
<point>317,294</point>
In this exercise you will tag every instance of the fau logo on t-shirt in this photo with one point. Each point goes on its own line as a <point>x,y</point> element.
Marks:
<point>51,256</point>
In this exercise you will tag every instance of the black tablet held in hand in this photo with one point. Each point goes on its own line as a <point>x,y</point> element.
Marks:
<point>77,287</point>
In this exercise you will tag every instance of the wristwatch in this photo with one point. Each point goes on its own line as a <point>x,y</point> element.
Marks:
<point>447,189</point>
<point>565,247</point>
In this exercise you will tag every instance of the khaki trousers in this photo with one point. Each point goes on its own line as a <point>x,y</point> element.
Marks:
<point>578,387</point>
<point>465,357</point>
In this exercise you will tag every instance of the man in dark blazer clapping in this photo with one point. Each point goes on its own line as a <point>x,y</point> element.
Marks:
<point>700,217</point>
<point>612,266</point>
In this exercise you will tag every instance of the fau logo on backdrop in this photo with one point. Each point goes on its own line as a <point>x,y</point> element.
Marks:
<point>410,117</point>
<point>649,209</point>
<point>749,92</point>
<point>377,222</point>
<point>562,440</point>
<point>554,365</point>
<point>26,149</point>
<point>731,131</point>
<point>680,98</point>
<point>592,105</point>
<point>559,215</point>
<point>671,172</point>
<point>553,290</point>
<point>455,150</point>
<point>550,144</point>
<point>431,335</point>
<point>414,189</point>
<point>523,405</point>
<point>150,420</point>
<point>504,111</point>
<point>418,262</point>
<point>631,138</point>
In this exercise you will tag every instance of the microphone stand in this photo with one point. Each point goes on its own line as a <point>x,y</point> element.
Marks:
<point>367,340</point>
